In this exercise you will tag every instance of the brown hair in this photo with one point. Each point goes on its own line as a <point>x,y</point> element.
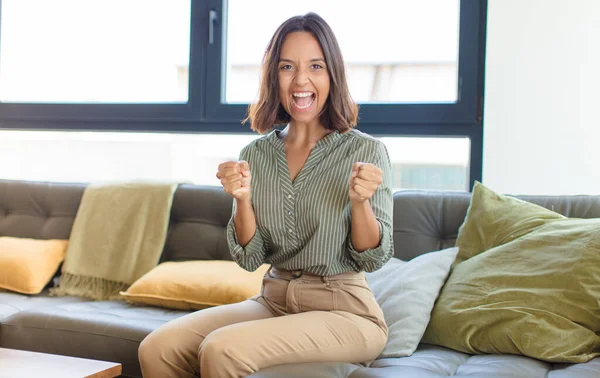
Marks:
<point>340,111</point>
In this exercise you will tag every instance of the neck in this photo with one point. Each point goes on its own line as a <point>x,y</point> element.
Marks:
<point>303,135</point>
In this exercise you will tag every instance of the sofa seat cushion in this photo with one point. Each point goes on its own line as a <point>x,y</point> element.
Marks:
<point>430,361</point>
<point>11,303</point>
<point>105,330</point>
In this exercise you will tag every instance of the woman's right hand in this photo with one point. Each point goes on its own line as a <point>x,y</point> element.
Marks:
<point>235,178</point>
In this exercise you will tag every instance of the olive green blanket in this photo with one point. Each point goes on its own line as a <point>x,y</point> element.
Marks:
<point>117,236</point>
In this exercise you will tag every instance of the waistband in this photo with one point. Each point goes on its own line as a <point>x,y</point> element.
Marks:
<point>299,273</point>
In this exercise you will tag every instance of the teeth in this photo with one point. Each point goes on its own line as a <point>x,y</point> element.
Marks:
<point>305,106</point>
<point>304,94</point>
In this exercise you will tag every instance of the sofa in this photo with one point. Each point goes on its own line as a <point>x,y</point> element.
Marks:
<point>424,221</point>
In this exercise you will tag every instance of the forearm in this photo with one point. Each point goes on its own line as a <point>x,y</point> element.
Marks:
<point>365,229</point>
<point>245,222</point>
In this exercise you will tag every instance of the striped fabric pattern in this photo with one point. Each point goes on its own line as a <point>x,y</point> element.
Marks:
<point>305,223</point>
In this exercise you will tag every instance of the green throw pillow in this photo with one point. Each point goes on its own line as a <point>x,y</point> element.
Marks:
<point>528,283</point>
<point>494,219</point>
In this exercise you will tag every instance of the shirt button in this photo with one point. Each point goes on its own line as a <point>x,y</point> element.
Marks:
<point>289,212</point>
<point>291,231</point>
<point>289,196</point>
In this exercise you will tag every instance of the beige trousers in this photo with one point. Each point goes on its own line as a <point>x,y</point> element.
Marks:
<point>297,318</point>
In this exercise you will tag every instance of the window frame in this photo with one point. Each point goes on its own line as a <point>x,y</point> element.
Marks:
<point>205,113</point>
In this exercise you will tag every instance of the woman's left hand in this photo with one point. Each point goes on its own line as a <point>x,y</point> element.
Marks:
<point>364,180</point>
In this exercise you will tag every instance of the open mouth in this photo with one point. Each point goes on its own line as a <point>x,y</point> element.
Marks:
<point>303,100</point>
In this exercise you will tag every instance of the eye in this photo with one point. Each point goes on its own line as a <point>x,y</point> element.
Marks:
<point>316,66</point>
<point>286,67</point>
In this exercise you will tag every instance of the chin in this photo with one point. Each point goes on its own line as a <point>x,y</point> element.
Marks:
<point>305,118</point>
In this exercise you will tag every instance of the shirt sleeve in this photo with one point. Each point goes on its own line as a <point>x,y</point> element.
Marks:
<point>382,204</point>
<point>252,256</point>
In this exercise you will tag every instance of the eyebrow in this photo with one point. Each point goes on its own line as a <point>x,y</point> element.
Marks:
<point>312,60</point>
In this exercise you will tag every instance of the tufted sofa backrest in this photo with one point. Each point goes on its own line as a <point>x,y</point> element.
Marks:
<point>43,210</point>
<point>199,217</point>
<point>38,210</point>
<point>424,221</point>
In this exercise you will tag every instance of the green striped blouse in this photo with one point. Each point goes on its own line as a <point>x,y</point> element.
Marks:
<point>305,223</point>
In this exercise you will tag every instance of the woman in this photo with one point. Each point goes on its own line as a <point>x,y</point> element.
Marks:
<point>314,201</point>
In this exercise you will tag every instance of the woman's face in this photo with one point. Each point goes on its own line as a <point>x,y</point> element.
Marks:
<point>303,77</point>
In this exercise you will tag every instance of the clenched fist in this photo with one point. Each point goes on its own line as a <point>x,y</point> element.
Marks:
<point>235,178</point>
<point>364,180</point>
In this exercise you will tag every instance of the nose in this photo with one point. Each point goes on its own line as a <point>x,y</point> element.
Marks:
<point>302,78</point>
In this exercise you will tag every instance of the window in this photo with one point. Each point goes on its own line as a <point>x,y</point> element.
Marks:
<point>429,163</point>
<point>190,66</point>
<point>402,72</point>
<point>403,53</point>
<point>417,163</point>
<point>95,51</point>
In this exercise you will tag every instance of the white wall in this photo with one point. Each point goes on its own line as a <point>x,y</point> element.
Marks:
<point>541,123</point>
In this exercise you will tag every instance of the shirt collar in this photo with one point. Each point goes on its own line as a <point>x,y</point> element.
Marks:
<point>326,142</point>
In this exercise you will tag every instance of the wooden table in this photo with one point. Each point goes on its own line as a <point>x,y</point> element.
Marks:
<point>19,363</point>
